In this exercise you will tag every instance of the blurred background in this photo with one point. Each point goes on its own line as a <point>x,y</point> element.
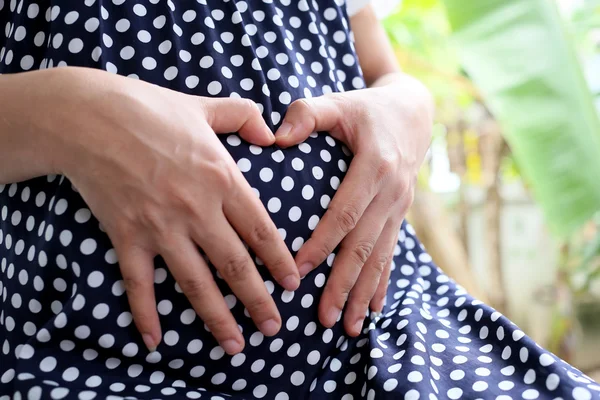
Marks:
<point>508,200</point>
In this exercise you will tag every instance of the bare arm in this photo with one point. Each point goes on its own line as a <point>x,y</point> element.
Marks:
<point>374,50</point>
<point>26,146</point>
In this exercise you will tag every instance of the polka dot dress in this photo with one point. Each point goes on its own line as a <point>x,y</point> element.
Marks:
<point>66,331</point>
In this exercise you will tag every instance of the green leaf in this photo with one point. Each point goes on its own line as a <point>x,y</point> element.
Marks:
<point>521,59</point>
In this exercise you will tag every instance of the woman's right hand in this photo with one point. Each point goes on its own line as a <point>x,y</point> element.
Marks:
<point>149,165</point>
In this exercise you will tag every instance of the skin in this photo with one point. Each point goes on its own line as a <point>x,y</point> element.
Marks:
<point>388,128</point>
<point>148,164</point>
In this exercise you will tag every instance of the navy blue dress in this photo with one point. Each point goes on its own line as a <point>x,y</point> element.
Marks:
<point>65,326</point>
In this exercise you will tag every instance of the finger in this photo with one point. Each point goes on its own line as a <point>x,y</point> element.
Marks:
<point>137,268</point>
<point>375,271</point>
<point>196,281</point>
<point>226,115</point>
<point>250,219</point>
<point>354,252</point>
<point>229,256</point>
<point>305,116</point>
<point>378,300</point>
<point>345,210</point>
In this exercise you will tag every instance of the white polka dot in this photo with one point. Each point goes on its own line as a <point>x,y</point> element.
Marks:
<point>171,338</point>
<point>278,156</point>
<point>106,341</point>
<point>48,364</point>
<point>530,394</point>
<point>415,376</point>
<point>100,311</point>
<point>390,384</point>
<point>312,222</point>
<point>480,386</point>
<point>214,88</point>
<point>287,183</point>
<point>454,393</point>
<point>546,360</point>
<point>171,73</point>
<point>144,36</point>
<point>95,279</point>
<point>188,316</point>
<point>70,374</point>
<point>266,174</point>
<point>297,378</point>
<point>27,62</point>
<point>192,81</point>
<point>88,246</point>
<point>295,213</point>
<point>580,393</point>
<point>274,205</point>
<point>257,366</point>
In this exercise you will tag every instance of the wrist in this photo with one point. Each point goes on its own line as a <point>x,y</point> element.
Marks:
<point>410,88</point>
<point>51,115</point>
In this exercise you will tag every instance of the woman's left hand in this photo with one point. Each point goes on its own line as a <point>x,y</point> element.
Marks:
<point>388,128</point>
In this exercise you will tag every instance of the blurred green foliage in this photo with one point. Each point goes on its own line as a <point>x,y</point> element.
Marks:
<point>520,61</point>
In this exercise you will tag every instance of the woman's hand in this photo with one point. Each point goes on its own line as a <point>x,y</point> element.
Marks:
<point>388,129</point>
<point>148,163</point>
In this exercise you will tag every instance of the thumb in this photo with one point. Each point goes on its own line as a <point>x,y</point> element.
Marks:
<point>226,115</point>
<point>306,116</point>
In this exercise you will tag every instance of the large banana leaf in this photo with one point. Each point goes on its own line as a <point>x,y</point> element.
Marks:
<point>520,57</point>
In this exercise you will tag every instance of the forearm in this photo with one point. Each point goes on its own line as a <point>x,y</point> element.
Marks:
<point>381,69</point>
<point>46,117</point>
<point>26,141</point>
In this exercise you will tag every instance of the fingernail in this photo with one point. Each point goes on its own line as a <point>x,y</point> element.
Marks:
<point>305,269</point>
<point>290,282</point>
<point>358,326</point>
<point>149,342</point>
<point>269,328</point>
<point>231,346</point>
<point>284,130</point>
<point>333,315</point>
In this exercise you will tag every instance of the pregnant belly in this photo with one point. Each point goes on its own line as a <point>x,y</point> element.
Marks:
<point>294,184</point>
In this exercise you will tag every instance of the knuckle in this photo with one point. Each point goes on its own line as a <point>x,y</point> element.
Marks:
<point>380,264</point>
<point>142,317</point>
<point>261,304</point>
<point>360,302</point>
<point>150,217</point>
<point>134,285</point>
<point>235,267</point>
<point>218,324</point>
<point>402,190</point>
<point>123,231</point>
<point>362,250</point>
<point>384,168</point>
<point>193,288</point>
<point>301,106</point>
<point>341,290</point>
<point>320,252</point>
<point>250,107</point>
<point>224,174</point>
<point>346,217</point>
<point>262,234</point>
<point>344,290</point>
<point>396,194</point>
<point>278,266</point>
